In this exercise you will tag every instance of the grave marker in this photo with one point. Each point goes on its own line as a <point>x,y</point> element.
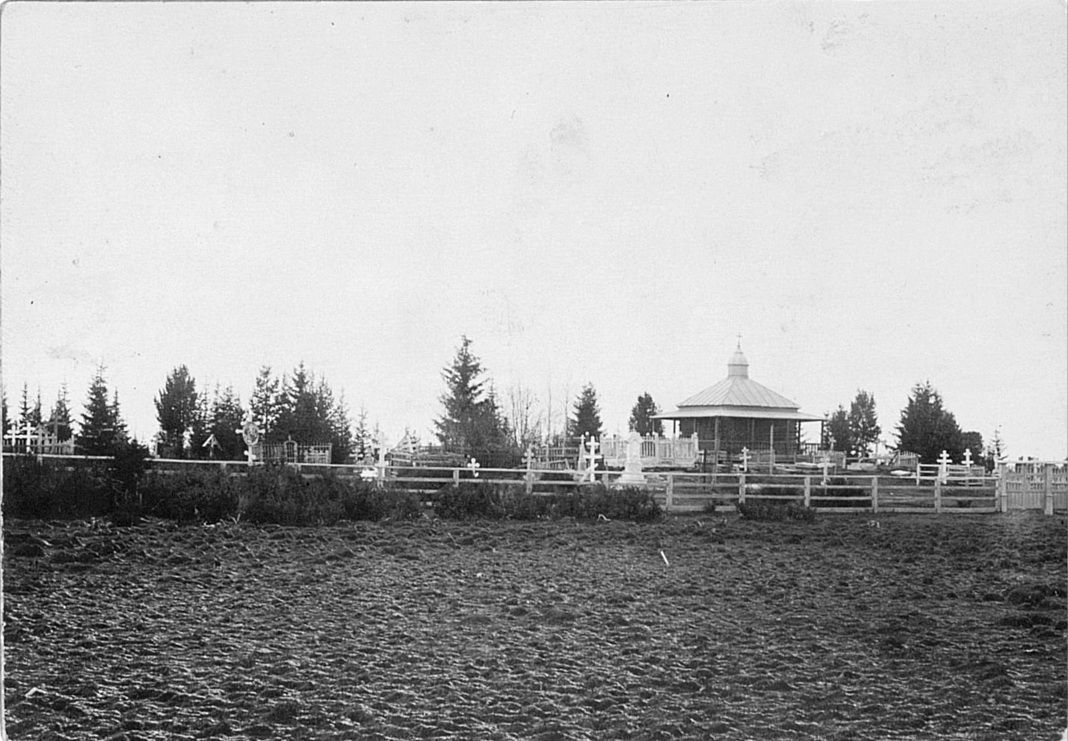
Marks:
<point>943,470</point>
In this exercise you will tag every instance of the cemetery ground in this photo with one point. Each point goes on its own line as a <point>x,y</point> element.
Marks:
<point>704,626</point>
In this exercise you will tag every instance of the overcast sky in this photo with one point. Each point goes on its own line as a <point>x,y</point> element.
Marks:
<point>872,194</point>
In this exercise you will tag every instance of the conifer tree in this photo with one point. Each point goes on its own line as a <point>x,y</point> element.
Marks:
<point>587,420</point>
<point>472,423</point>
<point>864,429</point>
<point>926,428</point>
<point>36,413</point>
<point>265,403</point>
<point>361,438</point>
<point>841,438</point>
<point>176,409</point>
<point>3,412</point>
<point>226,415</point>
<point>641,417</point>
<point>59,421</point>
<point>25,410</point>
<point>102,430</point>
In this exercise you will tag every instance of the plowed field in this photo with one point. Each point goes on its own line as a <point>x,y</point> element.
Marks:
<point>950,627</point>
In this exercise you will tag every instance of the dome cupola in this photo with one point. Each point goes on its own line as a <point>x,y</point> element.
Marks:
<point>738,367</point>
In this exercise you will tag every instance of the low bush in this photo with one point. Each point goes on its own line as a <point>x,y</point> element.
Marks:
<point>469,501</point>
<point>488,501</point>
<point>279,494</point>
<point>195,495</point>
<point>772,511</point>
<point>365,501</point>
<point>36,489</point>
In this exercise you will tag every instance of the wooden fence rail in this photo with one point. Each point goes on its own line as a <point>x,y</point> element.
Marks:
<point>1045,489</point>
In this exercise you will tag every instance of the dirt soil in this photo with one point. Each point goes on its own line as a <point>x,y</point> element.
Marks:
<point>851,627</point>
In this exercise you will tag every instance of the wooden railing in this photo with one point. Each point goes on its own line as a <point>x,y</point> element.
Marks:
<point>1045,489</point>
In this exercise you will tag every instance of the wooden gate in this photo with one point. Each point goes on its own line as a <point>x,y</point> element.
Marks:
<point>1034,485</point>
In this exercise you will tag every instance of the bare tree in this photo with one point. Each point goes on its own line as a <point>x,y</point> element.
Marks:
<point>526,419</point>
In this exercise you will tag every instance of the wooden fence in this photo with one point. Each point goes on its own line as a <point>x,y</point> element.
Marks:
<point>1044,489</point>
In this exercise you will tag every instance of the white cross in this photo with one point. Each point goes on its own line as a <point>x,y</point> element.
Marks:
<point>968,457</point>
<point>593,457</point>
<point>825,461</point>
<point>943,461</point>
<point>474,466</point>
<point>529,458</point>
<point>745,459</point>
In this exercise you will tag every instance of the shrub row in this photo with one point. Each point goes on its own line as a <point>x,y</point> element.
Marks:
<point>494,501</point>
<point>772,511</point>
<point>280,494</point>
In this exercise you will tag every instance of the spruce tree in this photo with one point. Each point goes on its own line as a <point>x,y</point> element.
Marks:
<point>25,410</point>
<point>841,438</point>
<point>226,415</point>
<point>36,412</point>
<point>864,429</point>
<point>59,421</point>
<point>265,403</point>
<point>926,428</point>
<point>472,423</point>
<point>587,419</point>
<point>176,409</point>
<point>362,443</point>
<point>101,430</point>
<point>300,405</point>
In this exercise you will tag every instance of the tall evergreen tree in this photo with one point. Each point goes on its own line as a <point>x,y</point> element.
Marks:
<point>25,410</point>
<point>926,428</point>
<point>59,421</point>
<point>176,408</point>
<point>587,419</point>
<point>864,428</point>
<point>841,438</point>
<point>995,450</point>
<point>200,428</point>
<point>36,412</point>
<point>102,430</point>
<point>641,417</point>
<point>472,423</point>
<point>121,437</point>
<point>298,416</point>
<point>226,418</point>
<point>265,403</point>
<point>340,430</point>
<point>3,412</point>
<point>362,443</point>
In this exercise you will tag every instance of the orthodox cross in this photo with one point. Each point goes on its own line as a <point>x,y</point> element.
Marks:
<point>968,457</point>
<point>593,457</point>
<point>745,460</point>
<point>825,461</point>
<point>474,466</point>
<point>943,462</point>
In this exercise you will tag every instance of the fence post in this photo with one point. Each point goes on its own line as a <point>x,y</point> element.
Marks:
<point>456,477</point>
<point>1047,485</point>
<point>741,488</point>
<point>808,490</point>
<point>874,493</point>
<point>1001,489</point>
<point>938,495</point>
<point>669,495</point>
